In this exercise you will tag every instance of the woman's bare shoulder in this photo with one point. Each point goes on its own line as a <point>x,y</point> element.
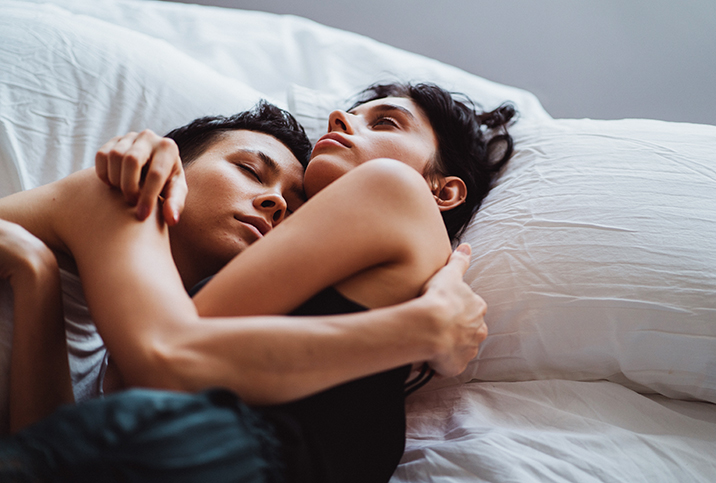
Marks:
<point>397,198</point>
<point>397,204</point>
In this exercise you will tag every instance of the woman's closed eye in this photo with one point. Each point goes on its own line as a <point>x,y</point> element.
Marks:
<point>385,121</point>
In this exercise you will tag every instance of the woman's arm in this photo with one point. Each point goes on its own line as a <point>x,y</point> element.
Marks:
<point>375,234</point>
<point>39,373</point>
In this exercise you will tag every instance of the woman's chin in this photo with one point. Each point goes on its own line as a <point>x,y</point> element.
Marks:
<point>320,173</point>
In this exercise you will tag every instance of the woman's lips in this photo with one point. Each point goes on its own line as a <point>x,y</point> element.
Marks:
<point>332,139</point>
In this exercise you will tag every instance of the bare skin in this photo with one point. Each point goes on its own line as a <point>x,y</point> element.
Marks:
<point>37,384</point>
<point>158,338</point>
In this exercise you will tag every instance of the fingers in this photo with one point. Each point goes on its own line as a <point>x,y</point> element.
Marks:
<point>174,197</point>
<point>460,258</point>
<point>144,166</point>
<point>101,159</point>
<point>109,158</point>
<point>464,325</point>
<point>125,165</point>
<point>161,174</point>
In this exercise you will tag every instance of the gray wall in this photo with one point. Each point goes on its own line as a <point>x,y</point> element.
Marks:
<point>606,59</point>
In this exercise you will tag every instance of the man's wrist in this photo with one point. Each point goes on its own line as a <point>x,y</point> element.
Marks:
<point>37,266</point>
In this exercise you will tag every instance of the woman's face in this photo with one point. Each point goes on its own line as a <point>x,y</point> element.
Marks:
<point>393,127</point>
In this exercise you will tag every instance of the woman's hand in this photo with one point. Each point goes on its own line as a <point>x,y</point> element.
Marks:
<point>146,167</point>
<point>460,315</point>
<point>39,372</point>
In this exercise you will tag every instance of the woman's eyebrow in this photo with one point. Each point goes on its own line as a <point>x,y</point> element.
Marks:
<point>386,107</point>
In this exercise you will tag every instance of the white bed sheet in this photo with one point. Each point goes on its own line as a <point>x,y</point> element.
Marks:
<point>557,431</point>
<point>531,431</point>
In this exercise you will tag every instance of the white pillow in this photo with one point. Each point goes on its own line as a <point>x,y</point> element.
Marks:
<point>68,83</point>
<point>596,254</point>
<point>272,52</point>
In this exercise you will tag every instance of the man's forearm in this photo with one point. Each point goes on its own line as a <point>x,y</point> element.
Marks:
<point>39,374</point>
<point>157,339</point>
<point>275,359</point>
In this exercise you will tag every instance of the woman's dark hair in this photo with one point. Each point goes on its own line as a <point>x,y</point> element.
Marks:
<point>472,145</point>
<point>196,137</point>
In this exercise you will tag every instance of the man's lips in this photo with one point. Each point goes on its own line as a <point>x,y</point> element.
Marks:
<point>256,224</point>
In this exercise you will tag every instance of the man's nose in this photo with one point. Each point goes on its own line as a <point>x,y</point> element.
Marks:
<point>275,206</point>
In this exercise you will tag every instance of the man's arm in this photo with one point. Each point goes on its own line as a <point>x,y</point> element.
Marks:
<point>264,359</point>
<point>284,358</point>
<point>39,374</point>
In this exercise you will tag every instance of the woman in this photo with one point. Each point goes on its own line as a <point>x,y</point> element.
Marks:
<point>375,254</point>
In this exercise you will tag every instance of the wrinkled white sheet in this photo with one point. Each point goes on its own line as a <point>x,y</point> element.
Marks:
<point>556,431</point>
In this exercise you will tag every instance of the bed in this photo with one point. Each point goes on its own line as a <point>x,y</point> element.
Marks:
<point>595,250</point>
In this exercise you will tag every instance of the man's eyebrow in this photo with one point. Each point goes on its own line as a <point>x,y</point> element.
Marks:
<point>387,107</point>
<point>268,161</point>
<point>272,165</point>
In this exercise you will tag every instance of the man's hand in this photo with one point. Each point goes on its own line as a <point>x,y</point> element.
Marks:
<point>460,315</point>
<point>22,255</point>
<point>144,166</point>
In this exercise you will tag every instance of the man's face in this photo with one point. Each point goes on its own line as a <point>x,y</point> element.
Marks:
<point>239,189</point>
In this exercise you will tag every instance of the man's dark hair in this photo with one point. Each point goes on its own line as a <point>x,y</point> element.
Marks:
<point>196,137</point>
<point>472,145</point>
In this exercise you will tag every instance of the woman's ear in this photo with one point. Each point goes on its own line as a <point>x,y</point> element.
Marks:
<point>449,192</point>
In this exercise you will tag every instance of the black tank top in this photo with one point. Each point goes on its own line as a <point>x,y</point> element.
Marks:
<point>352,433</point>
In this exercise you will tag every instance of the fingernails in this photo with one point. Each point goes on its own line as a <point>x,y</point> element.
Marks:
<point>142,212</point>
<point>464,248</point>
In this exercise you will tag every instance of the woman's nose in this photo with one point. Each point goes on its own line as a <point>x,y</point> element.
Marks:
<point>340,121</point>
<point>274,206</point>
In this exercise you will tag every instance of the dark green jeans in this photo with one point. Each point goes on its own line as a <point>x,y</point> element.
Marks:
<point>145,436</point>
